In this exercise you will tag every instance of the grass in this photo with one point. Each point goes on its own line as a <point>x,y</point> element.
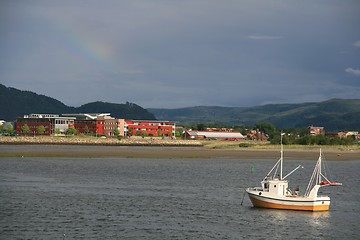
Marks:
<point>218,144</point>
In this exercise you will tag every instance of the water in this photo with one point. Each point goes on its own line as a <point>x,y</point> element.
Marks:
<point>114,198</point>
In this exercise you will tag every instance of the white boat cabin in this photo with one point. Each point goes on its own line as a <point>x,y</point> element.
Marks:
<point>275,186</point>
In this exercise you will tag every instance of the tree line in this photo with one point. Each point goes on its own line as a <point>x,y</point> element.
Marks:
<point>299,136</point>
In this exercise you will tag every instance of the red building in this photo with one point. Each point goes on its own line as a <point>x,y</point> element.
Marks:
<point>90,123</point>
<point>86,126</point>
<point>107,126</point>
<point>316,130</point>
<point>52,124</point>
<point>33,124</point>
<point>150,128</point>
<point>98,124</point>
<point>85,123</point>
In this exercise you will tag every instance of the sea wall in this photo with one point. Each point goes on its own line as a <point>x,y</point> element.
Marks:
<point>99,141</point>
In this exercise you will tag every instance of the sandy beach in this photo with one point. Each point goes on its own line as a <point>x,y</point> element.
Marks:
<point>158,148</point>
<point>176,152</point>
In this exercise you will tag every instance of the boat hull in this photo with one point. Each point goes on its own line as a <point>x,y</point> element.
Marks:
<point>290,203</point>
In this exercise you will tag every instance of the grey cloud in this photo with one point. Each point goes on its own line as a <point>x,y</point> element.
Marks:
<point>353,71</point>
<point>263,37</point>
<point>180,53</point>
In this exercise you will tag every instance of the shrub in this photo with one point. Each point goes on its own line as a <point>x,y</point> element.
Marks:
<point>244,145</point>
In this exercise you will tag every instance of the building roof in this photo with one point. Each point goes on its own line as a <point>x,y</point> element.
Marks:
<point>150,121</point>
<point>313,127</point>
<point>45,116</point>
<point>213,134</point>
<point>91,116</point>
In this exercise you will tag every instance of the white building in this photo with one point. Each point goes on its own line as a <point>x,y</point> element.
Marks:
<point>214,135</point>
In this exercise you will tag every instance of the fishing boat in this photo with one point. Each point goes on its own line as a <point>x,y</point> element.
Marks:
<point>275,192</point>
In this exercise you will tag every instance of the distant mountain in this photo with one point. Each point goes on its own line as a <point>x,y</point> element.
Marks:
<point>334,114</point>
<point>16,103</point>
<point>128,110</point>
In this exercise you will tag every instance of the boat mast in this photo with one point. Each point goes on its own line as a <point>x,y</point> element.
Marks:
<point>319,174</point>
<point>315,177</point>
<point>281,155</point>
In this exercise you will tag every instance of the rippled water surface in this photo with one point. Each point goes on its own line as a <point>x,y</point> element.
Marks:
<point>114,198</point>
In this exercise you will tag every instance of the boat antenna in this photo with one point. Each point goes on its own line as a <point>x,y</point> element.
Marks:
<point>319,177</point>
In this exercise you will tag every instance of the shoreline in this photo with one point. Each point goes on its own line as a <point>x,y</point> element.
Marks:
<point>171,153</point>
<point>86,141</point>
<point>157,148</point>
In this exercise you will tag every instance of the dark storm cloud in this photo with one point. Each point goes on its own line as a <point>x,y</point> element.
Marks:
<point>182,53</point>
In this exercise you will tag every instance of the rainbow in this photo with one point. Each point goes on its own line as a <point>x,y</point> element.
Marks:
<point>80,47</point>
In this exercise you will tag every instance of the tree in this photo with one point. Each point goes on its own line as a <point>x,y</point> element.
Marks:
<point>57,131</point>
<point>321,140</point>
<point>201,127</point>
<point>306,140</point>
<point>130,132</point>
<point>178,133</point>
<point>348,140</point>
<point>241,129</point>
<point>10,128</point>
<point>266,127</point>
<point>86,129</point>
<point>25,129</point>
<point>141,134</point>
<point>41,129</point>
<point>71,131</point>
<point>116,132</point>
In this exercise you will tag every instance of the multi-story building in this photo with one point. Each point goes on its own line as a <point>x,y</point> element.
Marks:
<point>52,124</point>
<point>98,124</point>
<point>150,128</point>
<point>84,123</point>
<point>87,123</point>
<point>110,125</point>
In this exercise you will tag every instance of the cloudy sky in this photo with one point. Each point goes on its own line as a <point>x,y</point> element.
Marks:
<point>180,53</point>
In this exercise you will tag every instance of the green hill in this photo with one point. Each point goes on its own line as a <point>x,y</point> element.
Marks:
<point>334,114</point>
<point>128,110</point>
<point>16,103</point>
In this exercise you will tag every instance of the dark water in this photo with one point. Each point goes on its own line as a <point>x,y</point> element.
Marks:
<point>112,198</point>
